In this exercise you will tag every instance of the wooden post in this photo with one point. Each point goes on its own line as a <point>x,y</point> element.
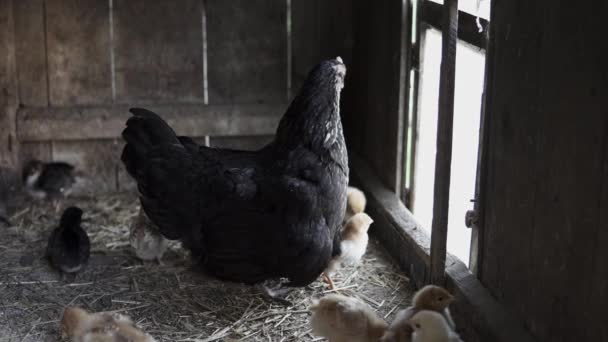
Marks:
<point>444,142</point>
<point>8,87</point>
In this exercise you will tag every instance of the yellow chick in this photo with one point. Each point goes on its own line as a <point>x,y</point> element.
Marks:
<point>435,298</point>
<point>430,297</point>
<point>353,245</point>
<point>355,202</point>
<point>345,319</point>
<point>146,241</point>
<point>431,326</point>
<point>78,325</point>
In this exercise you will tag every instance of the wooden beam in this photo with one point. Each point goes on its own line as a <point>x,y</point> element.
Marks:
<point>443,159</point>
<point>485,314</point>
<point>476,250</point>
<point>107,122</point>
<point>478,315</point>
<point>8,87</point>
<point>468,30</point>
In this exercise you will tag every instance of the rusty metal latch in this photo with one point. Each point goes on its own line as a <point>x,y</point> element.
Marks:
<point>470,218</point>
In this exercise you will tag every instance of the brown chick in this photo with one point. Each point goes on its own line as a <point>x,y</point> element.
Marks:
<point>78,325</point>
<point>430,297</point>
<point>341,319</point>
<point>353,244</point>
<point>355,202</point>
<point>146,241</point>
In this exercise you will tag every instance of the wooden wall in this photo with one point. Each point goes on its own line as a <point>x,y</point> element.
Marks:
<point>544,240</point>
<point>373,107</point>
<point>221,71</point>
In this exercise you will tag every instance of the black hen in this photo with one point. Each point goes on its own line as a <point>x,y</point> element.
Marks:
<point>69,246</point>
<point>251,216</point>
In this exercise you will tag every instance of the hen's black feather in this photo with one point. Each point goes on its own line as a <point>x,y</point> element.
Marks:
<point>69,247</point>
<point>251,216</point>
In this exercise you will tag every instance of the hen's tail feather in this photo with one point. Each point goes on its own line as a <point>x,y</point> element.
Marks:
<point>145,130</point>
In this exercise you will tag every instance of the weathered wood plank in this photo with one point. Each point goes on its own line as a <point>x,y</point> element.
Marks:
<point>373,118</point>
<point>9,147</point>
<point>158,50</point>
<point>306,50</point>
<point>107,122</point>
<point>250,143</point>
<point>544,206</point>
<point>31,52</point>
<point>443,159</point>
<point>35,150</point>
<point>511,156</point>
<point>477,314</point>
<point>247,61</point>
<point>99,160</point>
<point>597,293</point>
<point>320,30</point>
<point>78,41</point>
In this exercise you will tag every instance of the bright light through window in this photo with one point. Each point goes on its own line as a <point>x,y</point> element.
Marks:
<point>469,84</point>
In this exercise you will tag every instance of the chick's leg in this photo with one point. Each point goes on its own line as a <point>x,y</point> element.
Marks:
<point>327,279</point>
<point>56,205</point>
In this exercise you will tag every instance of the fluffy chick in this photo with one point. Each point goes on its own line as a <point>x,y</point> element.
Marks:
<point>435,298</point>
<point>53,181</point>
<point>431,326</point>
<point>146,241</point>
<point>400,330</point>
<point>78,325</point>
<point>430,297</point>
<point>353,244</point>
<point>69,247</point>
<point>341,319</point>
<point>355,202</point>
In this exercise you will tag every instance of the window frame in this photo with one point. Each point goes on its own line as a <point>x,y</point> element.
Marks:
<point>473,31</point>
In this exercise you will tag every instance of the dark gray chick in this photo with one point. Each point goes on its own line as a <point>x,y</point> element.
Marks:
<point>69,246</point>
<point>52,180</point>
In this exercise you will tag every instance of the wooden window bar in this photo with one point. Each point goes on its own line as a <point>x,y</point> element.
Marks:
<point>443,157</point>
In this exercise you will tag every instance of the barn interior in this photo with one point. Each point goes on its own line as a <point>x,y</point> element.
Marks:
<point>478,131</point>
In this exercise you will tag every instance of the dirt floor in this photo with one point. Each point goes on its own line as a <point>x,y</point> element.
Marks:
<point>172,302</point>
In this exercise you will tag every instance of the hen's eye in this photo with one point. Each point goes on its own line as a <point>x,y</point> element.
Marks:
<point>417,325</point>
<point>440,299</point>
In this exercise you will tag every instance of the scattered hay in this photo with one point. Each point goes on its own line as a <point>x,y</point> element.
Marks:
<point>173,301</point>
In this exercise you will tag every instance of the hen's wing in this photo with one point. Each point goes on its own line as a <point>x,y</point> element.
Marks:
<point>183,188</point>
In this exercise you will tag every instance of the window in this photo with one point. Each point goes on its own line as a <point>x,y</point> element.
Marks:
<point>470,66</point>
